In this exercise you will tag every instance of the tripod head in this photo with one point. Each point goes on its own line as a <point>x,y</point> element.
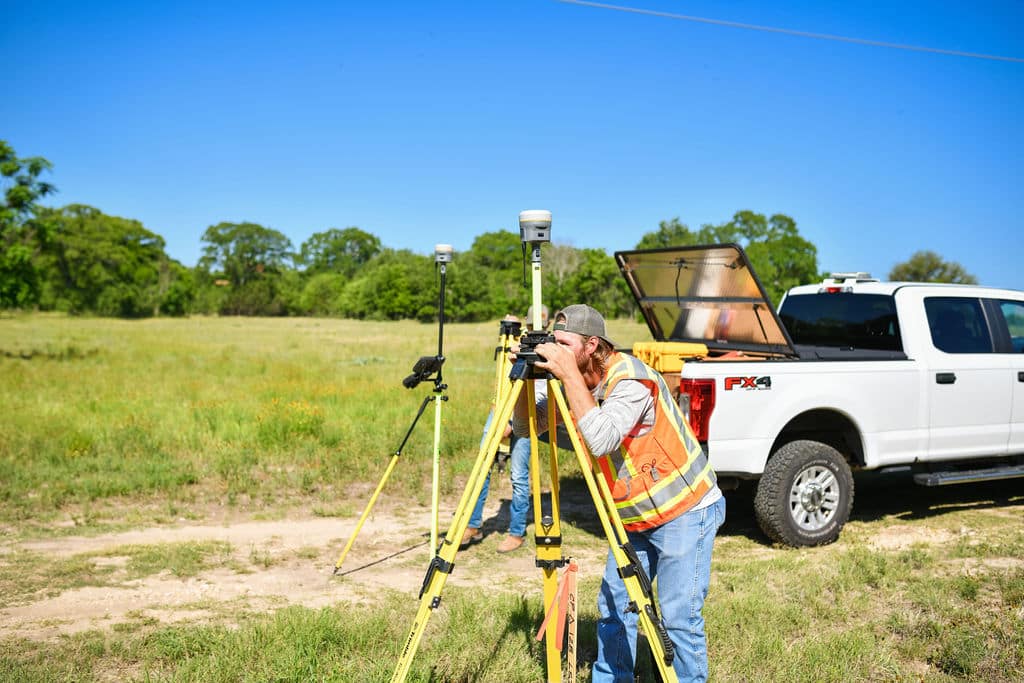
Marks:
<point>510,328</point>
<point>425,367</point>
<point>524,368</point>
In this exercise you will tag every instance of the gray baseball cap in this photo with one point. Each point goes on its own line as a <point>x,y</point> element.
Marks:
<point>582,319</point>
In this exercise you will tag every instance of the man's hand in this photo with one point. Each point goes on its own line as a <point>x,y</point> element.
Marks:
<point>558,360</point>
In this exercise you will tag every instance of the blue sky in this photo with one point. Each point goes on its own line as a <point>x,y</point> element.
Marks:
<point>435,122</point>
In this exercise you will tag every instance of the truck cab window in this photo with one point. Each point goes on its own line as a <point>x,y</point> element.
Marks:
<point>957,325</point>
<point>840,320</point>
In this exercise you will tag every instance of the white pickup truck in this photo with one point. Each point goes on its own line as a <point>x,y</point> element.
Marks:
<point>850,374</point>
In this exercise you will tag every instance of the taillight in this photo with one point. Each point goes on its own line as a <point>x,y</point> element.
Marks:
<point>697,400</point>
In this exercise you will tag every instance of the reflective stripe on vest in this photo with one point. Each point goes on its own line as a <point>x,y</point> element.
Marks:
<point>660,474</point>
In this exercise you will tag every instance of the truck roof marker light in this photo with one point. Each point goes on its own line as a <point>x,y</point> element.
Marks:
<point>841,282</point>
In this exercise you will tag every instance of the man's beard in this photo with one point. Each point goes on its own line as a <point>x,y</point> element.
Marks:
<point>584,362</point>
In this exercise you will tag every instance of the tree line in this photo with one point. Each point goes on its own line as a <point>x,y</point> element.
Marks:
<point>78,260</point>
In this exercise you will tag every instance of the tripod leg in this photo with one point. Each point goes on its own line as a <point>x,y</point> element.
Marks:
<point>380,486</point>
<point>434,492</point>
<point>444,561</point>
<point>366,513</point>
<point>548,530</point>
<point>638,584</point>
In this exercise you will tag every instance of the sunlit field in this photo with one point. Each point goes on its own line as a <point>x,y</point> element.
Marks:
<point>247,412</point>
<point>113,425</point>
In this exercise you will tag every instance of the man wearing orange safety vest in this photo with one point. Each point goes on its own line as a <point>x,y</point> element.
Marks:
<point>664,488</point>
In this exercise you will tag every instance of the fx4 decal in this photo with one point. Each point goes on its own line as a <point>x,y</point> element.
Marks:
<point>758,383</point>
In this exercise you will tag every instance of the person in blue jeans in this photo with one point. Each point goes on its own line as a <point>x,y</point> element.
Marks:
<point>664,488</point>
<point>519,467</point>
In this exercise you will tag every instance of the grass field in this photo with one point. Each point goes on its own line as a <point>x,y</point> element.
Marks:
<point>111,427</point>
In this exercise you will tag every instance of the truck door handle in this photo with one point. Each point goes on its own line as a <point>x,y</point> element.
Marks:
<point>1020,376</point>
<point>945,377</point>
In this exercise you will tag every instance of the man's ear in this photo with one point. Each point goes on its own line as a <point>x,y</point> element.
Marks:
<point>591,344</point>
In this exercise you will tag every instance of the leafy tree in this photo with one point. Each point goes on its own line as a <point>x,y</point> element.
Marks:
<point>339,251</point>
<point>252,259</point>
<point>244,252</point>
<point>561,262</point>
<point>927,266</point>
<point>321,294</point>
<point>596,281</point>
<point>670,233</point>
<point>106,265</point>
<point>391,287</point>
<point>178,287</point>
<point>288,290</point>
<point>21,236</point>
<point>780,256</point>
<point>488,281</point>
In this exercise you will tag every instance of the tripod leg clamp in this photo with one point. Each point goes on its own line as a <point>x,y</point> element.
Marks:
<point>550,564</point>
<point>548,541</point>
<point>666,642</point>
<point>634,568</point>
<point>436,564</point>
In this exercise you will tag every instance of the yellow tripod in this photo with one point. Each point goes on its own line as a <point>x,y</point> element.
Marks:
<point>549,552</point>
<point>534,229</point>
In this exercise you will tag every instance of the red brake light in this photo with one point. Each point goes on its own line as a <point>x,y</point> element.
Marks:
<point>697,399</point>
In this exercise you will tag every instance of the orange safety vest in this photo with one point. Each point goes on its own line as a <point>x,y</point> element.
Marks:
<point>657,476</point>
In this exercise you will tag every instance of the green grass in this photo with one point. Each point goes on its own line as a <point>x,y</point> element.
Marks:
<point>789,615</point>
<point>248,412</point>
<point>112,424</point>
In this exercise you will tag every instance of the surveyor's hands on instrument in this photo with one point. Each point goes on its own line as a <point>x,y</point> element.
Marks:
<point>554,358</point>
<point>558,360</point>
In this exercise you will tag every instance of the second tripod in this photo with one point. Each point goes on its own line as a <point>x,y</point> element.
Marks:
<point>427,368</point>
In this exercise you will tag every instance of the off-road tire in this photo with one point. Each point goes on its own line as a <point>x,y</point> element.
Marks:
<point>805,495</point>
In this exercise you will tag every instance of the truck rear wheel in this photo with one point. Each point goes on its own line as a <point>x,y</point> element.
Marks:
<point>805,494</point>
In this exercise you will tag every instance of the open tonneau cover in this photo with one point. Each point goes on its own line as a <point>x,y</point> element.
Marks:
<point>705,294</point>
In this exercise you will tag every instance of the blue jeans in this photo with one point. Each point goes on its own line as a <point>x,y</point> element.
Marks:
<point>678,553</point>
<point>519,464</point>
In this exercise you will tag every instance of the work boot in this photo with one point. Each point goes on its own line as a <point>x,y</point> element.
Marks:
<point>469,537</point>
<point>510,543</point>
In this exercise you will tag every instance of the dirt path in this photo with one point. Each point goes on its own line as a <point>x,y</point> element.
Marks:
<point>273,564</point>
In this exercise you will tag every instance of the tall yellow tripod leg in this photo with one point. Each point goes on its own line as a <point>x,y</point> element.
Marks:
<point>547,529</point>
<point>443,561</point>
